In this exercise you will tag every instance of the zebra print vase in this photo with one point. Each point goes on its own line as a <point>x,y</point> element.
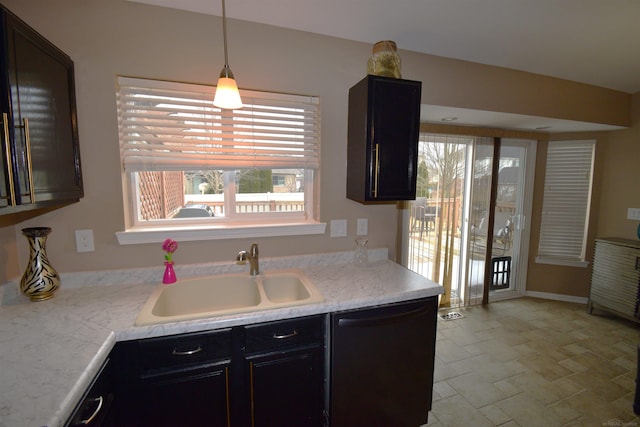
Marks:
<point>40,279</point>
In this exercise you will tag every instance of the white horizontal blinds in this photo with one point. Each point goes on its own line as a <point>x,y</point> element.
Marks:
<point>174,126</point>
<point>567,196</point>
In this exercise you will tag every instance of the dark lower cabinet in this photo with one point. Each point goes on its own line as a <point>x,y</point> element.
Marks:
<point>178,380</point>
<point>270,374</point>
<point>190,398</point>
<point>285,368</point>
<point>96,407</point>
<point>286,389</point>
<point>364,367</point>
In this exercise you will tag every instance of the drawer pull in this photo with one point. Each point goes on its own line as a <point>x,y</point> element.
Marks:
<point>283,337</point>
<point>177,352</point>
<point>95,413</point>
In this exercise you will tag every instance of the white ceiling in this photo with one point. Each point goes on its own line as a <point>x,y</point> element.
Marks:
<point>589,41</point>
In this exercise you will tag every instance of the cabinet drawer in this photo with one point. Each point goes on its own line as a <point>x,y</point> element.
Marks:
<point>94,408</point>
<point>177,352</point>
<point>283,334</point>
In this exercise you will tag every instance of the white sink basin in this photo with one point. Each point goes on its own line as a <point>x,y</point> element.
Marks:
<point>285,288</point>
<point>206,294</point>
<point>227,294</point>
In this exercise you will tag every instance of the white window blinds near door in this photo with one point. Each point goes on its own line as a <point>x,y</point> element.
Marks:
<point>567,197</point>
<point>174,126</point>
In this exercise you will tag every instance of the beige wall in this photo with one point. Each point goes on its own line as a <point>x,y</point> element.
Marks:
<point>621,180</point>
<point>554,279</point>
<point>616,188</point>
<point>110,37</point>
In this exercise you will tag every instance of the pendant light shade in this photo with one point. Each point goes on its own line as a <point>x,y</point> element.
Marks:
<point>227,94</point>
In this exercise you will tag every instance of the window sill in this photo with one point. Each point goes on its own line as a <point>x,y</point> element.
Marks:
<point>561,261</point>
<point>183,234</point>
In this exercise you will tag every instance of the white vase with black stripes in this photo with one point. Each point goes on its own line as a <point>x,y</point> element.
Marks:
<point>40,280</point>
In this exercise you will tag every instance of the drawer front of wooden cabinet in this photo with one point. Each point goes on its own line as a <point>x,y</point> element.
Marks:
<point>284,334</point>
<point>164,354</point>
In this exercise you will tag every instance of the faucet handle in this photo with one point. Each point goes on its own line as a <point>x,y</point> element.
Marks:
<point>242,257</point>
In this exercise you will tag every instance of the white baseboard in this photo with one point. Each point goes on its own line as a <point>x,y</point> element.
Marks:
<point>556,297</point>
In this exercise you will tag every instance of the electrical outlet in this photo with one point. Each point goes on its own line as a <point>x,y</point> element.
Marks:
<point>633,213</point>
<point>363,227</point>
<point>338,228</point>
<point>84,241</point>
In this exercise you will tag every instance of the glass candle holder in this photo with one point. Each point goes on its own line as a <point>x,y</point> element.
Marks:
<point>361,254</point>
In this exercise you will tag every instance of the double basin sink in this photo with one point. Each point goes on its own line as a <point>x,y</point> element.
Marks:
<point>221,295</point>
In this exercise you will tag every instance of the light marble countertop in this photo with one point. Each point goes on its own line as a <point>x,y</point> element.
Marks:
<point>50,351</point>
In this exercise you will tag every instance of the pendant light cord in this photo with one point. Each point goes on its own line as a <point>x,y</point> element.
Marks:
<point>224,35</point>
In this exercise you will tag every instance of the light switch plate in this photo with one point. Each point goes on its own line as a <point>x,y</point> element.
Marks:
<point>633,213</point>
<point>338,228</point>
<point>363,227</point>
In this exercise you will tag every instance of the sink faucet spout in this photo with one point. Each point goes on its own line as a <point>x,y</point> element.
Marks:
<point>252,256</point>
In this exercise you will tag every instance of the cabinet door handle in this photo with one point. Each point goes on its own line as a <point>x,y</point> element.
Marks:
<point>7,149</point>
<point>177,352</point>
<point>27,138</point>
<point>376,172</point>
<point>284,337</point>
<point>100,400</point>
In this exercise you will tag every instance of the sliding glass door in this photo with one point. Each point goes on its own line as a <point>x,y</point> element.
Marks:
<point>461,191</point>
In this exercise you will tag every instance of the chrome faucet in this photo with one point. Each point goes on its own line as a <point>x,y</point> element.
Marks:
<point>252,256</point>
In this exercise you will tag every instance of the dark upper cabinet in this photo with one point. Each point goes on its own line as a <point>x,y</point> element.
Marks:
<point>40,150</point>
<point>382,155</point>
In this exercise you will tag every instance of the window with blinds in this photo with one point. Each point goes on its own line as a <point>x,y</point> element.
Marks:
<point>566,202</point>
<point>187,161</point>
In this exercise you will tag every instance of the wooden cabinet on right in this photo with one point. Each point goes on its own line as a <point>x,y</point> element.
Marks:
<point>40,156</point>
<point>615,280</point>
<point>382,152</point>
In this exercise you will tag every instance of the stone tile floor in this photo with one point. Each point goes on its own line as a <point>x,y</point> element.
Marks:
<point>532,362</point>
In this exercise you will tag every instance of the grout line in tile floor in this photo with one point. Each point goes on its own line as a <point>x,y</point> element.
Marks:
<point>532,362</point>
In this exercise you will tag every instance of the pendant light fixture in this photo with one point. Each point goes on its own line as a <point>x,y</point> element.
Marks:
<point>227,95</point>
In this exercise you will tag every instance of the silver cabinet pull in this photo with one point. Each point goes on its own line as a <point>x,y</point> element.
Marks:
<point>282,337</point>
<point>376,172</point>
<point>7,149</point>
<point>27,138</point>
<point>100,400</point>
<point>177,352</point>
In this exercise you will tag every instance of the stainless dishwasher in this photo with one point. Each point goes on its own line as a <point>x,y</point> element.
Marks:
<point>382,365</point>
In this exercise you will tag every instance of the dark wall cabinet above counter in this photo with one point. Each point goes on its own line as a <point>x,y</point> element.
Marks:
<point>382,154</point>
<point>40,149</point>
